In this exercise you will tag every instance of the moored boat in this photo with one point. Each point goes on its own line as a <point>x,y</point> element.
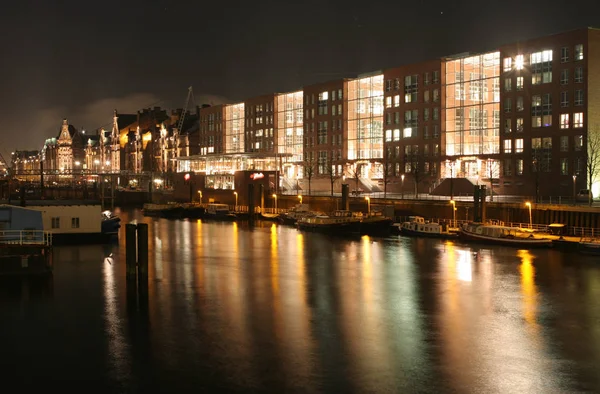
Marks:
<point>502,235</point>
<point>337,223</point>
<point>291,217</point>
<point>376,224</point>
<point>416,226</point>
<point>590,246</point>
<point>219,212</point>
<point>110,224</point>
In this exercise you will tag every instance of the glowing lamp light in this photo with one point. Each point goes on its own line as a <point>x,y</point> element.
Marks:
<point>187,176</point>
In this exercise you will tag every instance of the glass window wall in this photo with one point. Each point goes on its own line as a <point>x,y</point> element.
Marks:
<point>290,125</point>
<point>234,128</point>
<point>365,118</point>
<point>473,105</point>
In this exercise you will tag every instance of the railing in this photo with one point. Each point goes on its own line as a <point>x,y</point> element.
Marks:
<point>26,237</point>
<point>583,232</point>
<point>410,195</point>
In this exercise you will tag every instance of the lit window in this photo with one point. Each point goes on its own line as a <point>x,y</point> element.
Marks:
<point>507,64</point>
<point>388,102</point>
<point>519,83</point>
<point>323,96</point>
<point>407,132</point>
<point>578,120</point>
<point>507,146</point>
<point>519,125</point>
<point>564,166</point>
<point>519,145</point>
<point>388,135</point>
<point>541,57</point>
<point>564,121</point>
<point>396,134</point>
<point>519,62</point>
<point>579,52</point>
<point>397,100</point>
<point>520,167</point>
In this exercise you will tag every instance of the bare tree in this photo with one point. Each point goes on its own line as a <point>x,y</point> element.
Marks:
<point>493,172</point>
<point>387,170</point>
<point>331,172</point>
<point>593,159</point>
<point>355,173</point>
<point>414,164</point>
<point>309,172</point>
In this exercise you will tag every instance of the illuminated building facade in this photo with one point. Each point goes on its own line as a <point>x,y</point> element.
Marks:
<point>290,133</point>
<point>259,124</point>
<point>550,99</point>
<point>25,165</point>
<point>413,124</point>
<point>515,118</point>
<point>471,105</point>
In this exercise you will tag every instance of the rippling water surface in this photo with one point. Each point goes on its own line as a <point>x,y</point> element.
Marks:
<point>272,309</point>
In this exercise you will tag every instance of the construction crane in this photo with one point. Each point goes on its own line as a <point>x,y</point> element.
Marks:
<point>190,98</point>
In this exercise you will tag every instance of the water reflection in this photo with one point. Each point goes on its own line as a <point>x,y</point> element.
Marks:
<point>528,289</point>
<point>272,309</point>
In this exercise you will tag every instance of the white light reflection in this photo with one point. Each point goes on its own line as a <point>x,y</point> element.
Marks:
<point>117,346</point>
<point>464,265</point>
<point>158,250</point>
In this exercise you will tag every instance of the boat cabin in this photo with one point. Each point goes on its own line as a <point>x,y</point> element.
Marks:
<point>217,209</point>
<point>419,225</point>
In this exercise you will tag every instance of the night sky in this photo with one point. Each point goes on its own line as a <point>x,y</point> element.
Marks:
<point>80,60</point>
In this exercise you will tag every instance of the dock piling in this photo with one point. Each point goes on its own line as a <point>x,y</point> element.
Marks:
<point>142,249</point>
<point>131,250</point>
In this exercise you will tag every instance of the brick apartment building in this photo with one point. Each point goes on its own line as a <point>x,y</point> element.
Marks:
<point>515,118</point>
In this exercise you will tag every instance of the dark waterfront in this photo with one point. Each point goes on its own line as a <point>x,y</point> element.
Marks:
<point>276,310</point>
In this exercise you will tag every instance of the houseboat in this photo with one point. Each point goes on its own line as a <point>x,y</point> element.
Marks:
<point>219,212</point>
<point>376,224</point>
<point>25,248</point>
<point>299,211</point>
<point>416,226</point>
<point>502,235</point>
<point>337,223</point>
<point>590,246</point>
<point>74,222</point>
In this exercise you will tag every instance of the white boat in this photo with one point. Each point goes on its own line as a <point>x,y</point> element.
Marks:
<point>502,235</point>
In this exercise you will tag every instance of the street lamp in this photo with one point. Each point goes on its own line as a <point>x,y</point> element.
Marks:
<point>300,198</point>
<point>275,200</point>
<point>402,185</point>
<point>453,212</point>
<point>574,189</point>
<point>368,205</point>
<point>528,205</point>
<point>236,200</point>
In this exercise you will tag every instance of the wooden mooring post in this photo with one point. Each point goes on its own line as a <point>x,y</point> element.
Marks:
<point>136,251</point>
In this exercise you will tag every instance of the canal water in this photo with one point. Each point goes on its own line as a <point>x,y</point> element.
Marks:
<point>271,309</point>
